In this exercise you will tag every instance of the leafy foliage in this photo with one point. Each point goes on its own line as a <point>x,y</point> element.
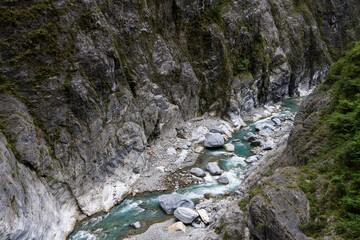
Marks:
<point>242,204</point>
<point>332,180</point>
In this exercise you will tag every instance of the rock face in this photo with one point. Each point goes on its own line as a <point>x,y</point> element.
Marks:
<point>25,186</point>
<point>185,215</point>
<point>299,148</point>
<point>87,86</point>
<point>279,211</point>
<point>213,168</point>
<point>213,140</point>
<point>170,202</point>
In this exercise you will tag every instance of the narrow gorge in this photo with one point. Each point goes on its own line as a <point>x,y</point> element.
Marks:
<point>102,101</point>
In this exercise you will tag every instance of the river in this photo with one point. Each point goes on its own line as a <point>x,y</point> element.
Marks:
<point>145,207</point>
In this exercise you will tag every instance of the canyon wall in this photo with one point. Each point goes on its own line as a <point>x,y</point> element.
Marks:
<point>87,86</point>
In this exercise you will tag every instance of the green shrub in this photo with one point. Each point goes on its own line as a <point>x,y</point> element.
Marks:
<point>332,181</point>
<point>242,66</point>
<point>242,204</point>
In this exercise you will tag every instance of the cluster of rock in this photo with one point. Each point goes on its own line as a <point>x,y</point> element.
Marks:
<point>169,156</point>
<point>225,215</point>
<point>214,169</point>
<point>268,133</point>
<point>183,210</point>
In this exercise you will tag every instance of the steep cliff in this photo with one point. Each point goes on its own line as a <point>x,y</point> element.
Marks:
<point>328,129</point>
<point>88,86</point>
<point>309,187</point>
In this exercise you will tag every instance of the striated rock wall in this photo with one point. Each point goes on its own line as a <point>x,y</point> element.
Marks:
<point>303,144</point>
<point>88,86</point>
<point>280,208</point>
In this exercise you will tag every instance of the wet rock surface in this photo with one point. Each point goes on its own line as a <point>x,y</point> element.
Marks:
<point>223,180</point>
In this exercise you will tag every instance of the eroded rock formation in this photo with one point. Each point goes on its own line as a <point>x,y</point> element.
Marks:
<point>88,86</point>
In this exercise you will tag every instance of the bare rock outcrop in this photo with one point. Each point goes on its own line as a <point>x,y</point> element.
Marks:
<point>279,209</point>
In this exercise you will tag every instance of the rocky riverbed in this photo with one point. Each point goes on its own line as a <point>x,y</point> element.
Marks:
<point>175,172</point>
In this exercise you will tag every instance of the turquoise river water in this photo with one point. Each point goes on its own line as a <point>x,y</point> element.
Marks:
<point>145,207</point>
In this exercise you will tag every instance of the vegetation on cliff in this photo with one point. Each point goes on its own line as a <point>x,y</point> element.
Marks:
<point>331,180</point>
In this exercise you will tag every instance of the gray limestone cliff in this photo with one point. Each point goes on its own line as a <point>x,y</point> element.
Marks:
<point>88,86</point>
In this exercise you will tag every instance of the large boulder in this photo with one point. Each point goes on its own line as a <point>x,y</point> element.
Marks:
<point>185,215</point>
<point>213,168</point>
<point>170,202</point>
<point>209,195</point>
<point>177,227</point>
<point>250,137</point>
<point>223,180</point>
<point>229,147</point>
<point>197,172</point>
<point>214,140</point>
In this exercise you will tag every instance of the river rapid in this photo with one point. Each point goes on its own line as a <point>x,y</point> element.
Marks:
<point>145,207</point>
